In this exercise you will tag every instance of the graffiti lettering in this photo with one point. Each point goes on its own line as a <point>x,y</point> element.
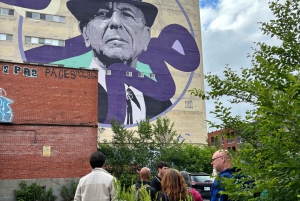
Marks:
<point>6,114</point>
<point>5,69</point>
<point>69,74</point>
<point>27,72</point>
<point>34,72</point>
<point>17,69</point>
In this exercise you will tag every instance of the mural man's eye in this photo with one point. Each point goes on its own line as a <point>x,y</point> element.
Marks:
<point>101,14</point>
<point>127,14</point>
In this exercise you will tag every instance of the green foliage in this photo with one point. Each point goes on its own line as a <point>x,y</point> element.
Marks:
<point>129,193</point>
<point>68,193</point>
<point>189,157</point>
<point>33,192</point>
<point>123,193</point>
<point>271,129</point>
<point>131,150</point>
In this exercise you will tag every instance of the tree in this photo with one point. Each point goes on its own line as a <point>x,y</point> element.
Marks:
<point>189,157</point>
<point>131,150</point>
<point>271,128</point>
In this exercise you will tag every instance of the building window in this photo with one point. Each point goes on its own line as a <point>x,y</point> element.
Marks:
<point>230,137</point>
<point>129,74</point>
<point>46,41</point>
<point>212,141</point>
<point>215,141</point>
<point>230,140</point>
<point>6,37</point>
<point>141,74</point>
<point>222,139</point>
<point>232,148</point>
<point>108,72</point>
<point>35,16</point>
<point>152,75</point>
<point>43,16</point>
<point>240,140</point>
<point>50,18</point>
<point>6,11</point>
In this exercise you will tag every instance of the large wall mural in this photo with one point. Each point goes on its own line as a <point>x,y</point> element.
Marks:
<point>134,78</point>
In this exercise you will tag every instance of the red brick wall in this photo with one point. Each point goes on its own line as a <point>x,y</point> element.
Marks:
<point>56,108</point>
<point>217,134</point>
<point>57,95</point>
<point>21,158</point>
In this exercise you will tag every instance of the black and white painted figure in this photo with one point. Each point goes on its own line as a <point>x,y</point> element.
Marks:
<point>116,31</point>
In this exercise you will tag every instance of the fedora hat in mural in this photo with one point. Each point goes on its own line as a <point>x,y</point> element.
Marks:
<point>85,9</point>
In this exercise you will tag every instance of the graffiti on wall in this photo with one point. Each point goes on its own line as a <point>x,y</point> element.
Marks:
<point>69,74</point>
<point>27,72</point>
<point>134,81</point>
<point>6,114</point>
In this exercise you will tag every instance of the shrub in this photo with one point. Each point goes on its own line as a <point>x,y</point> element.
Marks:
<point>68,193</point>
<point>33,192</point>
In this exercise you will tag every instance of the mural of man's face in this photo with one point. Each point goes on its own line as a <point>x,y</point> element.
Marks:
<point>117,31</point>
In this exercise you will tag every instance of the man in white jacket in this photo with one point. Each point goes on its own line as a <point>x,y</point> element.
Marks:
<point>97,185</point>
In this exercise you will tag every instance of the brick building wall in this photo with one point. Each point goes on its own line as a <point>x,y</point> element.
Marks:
<point>22,151</point>
<point>48,124</point>
<point>224,139</point>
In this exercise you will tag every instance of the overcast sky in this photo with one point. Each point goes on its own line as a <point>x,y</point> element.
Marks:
<point>229,28</point>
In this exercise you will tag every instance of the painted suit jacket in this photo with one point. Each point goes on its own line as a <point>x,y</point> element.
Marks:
<point>153,107</point>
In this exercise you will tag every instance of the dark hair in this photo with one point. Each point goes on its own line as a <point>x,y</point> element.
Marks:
<point>161,164</point>
<point>97,159</point>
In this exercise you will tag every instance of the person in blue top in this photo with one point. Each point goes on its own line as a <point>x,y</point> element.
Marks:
<point>221,163</point>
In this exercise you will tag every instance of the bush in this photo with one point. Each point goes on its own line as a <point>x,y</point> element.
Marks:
<point>130,150</point>
<point>68,193</point>
<point>33,192</point>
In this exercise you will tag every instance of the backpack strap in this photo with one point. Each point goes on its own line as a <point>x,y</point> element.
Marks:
<point>137,191</point>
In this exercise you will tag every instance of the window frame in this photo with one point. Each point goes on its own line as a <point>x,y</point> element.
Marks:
<point>8,11</point>
<point>6,36</point>
<point>141,75</point>
<point>128,74</point>
<point>46,17</point>
<point>107,72</point>
<point>45,41</point>
<point>152,75</point>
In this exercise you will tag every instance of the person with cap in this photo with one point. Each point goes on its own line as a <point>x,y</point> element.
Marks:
<point>118,31</point>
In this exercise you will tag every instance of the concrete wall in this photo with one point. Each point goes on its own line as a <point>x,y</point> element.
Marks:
<point>8,186</point>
